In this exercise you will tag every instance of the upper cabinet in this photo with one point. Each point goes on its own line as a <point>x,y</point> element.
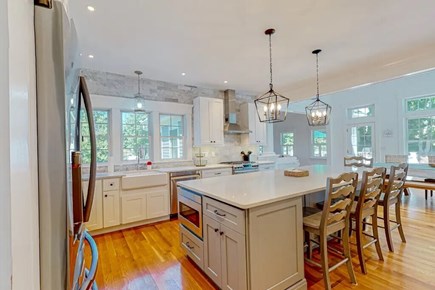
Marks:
<point>250,119</point>
<point>208,121</point>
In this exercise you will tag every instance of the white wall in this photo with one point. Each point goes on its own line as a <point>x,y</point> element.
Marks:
<point>388,98</point>
<point>5,190</point>
<point>23,151</point>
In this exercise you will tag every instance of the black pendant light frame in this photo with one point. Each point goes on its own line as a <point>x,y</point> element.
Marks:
<point>271,107</point>
<point>318,112</point>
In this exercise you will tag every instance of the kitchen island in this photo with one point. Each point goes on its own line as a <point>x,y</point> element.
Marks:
<point>252,228</point>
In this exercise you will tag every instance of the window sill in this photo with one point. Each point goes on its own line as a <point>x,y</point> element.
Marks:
<point>319,158</point>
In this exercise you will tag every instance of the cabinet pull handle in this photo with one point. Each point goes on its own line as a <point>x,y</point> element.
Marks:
<point>221,233</point>
<point>217,173</point>
<point>189,246</point>
<point>218,213</point>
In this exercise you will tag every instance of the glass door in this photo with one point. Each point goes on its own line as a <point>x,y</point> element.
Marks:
<point>361,140</point>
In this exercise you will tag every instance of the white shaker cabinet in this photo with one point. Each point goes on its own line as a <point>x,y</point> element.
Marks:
<point>133,208</point>
<point>224,255</point>
<point>250,120</point>
<point>96,218</point>
<point>158,203</point>
<point>111,216</point>
<point>208,118</point>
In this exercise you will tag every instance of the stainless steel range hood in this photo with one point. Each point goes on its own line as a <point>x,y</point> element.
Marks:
<point>231,126</point>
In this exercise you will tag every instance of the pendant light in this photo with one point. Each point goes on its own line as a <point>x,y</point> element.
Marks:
<point>139,98</point>
<point>318,112</point>
<point>271,106</point>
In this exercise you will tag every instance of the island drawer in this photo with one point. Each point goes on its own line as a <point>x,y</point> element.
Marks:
<point>227,215</point>
<point>216,172</point>
<point>110,184</point>
<point>194,247</point>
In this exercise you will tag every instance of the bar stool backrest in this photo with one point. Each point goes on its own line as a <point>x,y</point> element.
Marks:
<point>340,193</point>
<point>371,189</point>
<point>358,161</point>
<point>396,181</point>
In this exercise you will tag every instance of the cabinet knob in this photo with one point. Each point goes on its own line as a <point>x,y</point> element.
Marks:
<point>221,233</point>
<point>111,184</point>
<point>216,230</point>
<point>105,195</point>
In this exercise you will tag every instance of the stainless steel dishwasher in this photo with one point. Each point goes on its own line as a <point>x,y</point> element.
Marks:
<point>174,178</point>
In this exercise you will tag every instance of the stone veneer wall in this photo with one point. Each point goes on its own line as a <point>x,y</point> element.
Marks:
<point>117,85</point>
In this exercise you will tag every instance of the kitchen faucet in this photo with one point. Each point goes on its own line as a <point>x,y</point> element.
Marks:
<point>139,153</point>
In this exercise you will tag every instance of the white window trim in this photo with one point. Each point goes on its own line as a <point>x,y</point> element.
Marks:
<point>150,132</point>
<point>118,104</point>
<point>281,145</point>
<point>360,119</point>
<point>312,144</point>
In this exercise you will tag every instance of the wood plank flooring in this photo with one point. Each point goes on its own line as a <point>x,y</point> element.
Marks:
<point>150,257</point>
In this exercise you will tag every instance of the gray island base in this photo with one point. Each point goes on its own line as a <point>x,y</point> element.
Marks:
<point>252,228</point>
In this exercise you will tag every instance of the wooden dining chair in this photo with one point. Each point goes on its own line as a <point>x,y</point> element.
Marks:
<point>367,206</point>
<point>392,196</point>
<point>340,193</point>
<point>358,161</point>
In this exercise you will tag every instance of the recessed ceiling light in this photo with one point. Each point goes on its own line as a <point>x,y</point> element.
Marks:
<point>183,74</point>
<point>225,82</point>
<point>91,8</point>
<point>90,56</point>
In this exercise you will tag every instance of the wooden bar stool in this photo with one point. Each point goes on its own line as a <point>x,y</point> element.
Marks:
<point>358,161</point>
<point>332,219</point>
<point>429,180</point>
<point>367,206</point>
<point>392,195</point>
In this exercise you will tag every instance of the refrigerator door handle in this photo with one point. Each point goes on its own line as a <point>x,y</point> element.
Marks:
<point>93,166</point>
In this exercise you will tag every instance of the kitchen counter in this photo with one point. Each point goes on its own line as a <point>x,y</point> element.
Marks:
<point>188,168</point>
<point>247,191</point>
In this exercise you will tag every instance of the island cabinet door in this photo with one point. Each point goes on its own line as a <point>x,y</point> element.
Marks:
<point>276,245</point>
<point>212,250</point>
<point>233,253</point>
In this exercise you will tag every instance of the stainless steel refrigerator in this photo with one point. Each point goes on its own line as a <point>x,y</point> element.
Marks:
<point>62,97</point>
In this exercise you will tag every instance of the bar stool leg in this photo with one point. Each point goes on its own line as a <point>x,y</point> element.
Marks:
<point>359,245</point>
<point>425,194</point>
<point>324,260</point>
<point>347,254</point>
<point>387,226</point>
<point>399,221</point>
<point>308,242</point>
<point>376,235</point>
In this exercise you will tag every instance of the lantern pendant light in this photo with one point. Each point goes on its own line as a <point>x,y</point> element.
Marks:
<point>139,98</point>
<point>318,112</point>
<point>271,106</point>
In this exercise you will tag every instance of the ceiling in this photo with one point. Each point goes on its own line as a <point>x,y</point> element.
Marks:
<point>217,41</point>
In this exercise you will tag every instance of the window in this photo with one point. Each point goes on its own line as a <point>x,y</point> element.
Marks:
<point>318,140</point>
<point>171,137</point>
<point>287,143</point>
<point>421,138</point>
<point>101,123</point>
<point>361,112</point>
<point>135,135</point>
<point>420,104</point>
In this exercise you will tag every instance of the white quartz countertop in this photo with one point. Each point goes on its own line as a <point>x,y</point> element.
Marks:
<point>259,188</point>
<point>120,174</point>
<point>188,168</point>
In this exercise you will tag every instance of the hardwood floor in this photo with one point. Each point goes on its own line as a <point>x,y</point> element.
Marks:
<point>150,257</point>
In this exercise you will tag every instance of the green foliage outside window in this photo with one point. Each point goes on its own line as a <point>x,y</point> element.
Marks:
<point>287,143</point>
<point>421,136</point>
<point>420,104</point>
<point>101,123</point>
<point>319,143</point>
<point>135,135</point>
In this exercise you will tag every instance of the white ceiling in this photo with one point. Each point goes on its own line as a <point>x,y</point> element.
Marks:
<point>212,41</point>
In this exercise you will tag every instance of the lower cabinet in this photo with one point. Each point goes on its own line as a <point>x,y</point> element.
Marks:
<point>157,203</point>
<point>111,215</point>
<point>224,255</point>
<point>96,218</point>
<point>133,208</point>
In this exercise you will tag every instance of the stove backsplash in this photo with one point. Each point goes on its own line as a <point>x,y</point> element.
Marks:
<point>228,152</point>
